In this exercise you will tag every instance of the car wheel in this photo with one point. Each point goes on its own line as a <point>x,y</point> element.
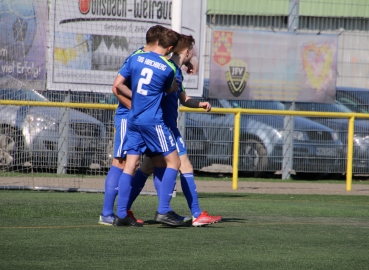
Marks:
<point>9,148</point>
<point>253,157</point>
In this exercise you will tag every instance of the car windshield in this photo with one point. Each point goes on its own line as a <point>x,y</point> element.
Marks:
<point>254,104</point>
<point>23,95</point>
<point>322,107</point>
<point>361,95</point>
<point>357,101</point>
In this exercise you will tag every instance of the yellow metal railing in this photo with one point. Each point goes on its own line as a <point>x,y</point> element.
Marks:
<point>58,104</point>
<point>237,124</point>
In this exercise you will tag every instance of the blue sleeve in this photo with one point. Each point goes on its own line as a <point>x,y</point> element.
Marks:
<point>125,63</point>
<point>125,70</point>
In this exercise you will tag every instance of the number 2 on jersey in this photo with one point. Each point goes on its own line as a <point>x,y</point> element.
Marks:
<point>147,73</point>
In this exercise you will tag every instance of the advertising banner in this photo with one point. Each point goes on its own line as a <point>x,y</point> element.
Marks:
<point>90,39</point>
<point>257,65</point>
<point>23,34</point>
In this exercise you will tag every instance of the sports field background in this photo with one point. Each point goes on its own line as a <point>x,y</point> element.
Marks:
<point>58,230</point>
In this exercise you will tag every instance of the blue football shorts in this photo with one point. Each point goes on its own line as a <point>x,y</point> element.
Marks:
<point>181,146</point>
<point>153,139</point>
<point>120,133</point>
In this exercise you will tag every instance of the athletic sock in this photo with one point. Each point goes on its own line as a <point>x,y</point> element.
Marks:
<point>124,191</point>
<point>158,177</point>
<point>189,190</point>
<point>166,192</point>
<point>111,190</point>
<point>138,182</point>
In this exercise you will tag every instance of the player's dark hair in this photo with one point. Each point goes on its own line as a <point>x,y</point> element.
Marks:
<point>184,42</point>
<point>154,33</point>
<point>169,38</point>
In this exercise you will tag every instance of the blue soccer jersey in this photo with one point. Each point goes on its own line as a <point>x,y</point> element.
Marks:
<point>169,103</point>
<point>122,111</point>
<point>150,74</point>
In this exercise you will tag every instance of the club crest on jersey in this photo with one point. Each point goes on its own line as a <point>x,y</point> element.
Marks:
<point>237,77</point>
<point>222,47</point>
<point>84,6</point>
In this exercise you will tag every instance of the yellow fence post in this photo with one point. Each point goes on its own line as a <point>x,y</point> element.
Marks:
<point>236,147</point>
<point>350,151</point>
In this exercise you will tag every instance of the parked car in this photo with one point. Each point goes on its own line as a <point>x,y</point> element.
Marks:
<point>104,116</point>
<point>361,130</point>
<point>316,148</point>
<point>196,141</point>
<point>356,99</point>
<point>35,135</point>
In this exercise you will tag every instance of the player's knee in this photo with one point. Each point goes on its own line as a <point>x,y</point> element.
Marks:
<point>186,168</point>
<point>158,161</point>
<point>131,164</point>
<point>137,165</point>
<point>173,162</point>
<point>130,168</point>
<point>147,167</point>
<point>186,165</point>
<point>119,162</point>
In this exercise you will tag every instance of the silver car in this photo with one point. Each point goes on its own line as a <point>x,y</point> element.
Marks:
<point>49,137</point>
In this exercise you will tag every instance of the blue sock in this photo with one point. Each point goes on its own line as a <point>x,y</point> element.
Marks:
<point>167,187</point>
<point>124,191</point>
<point>158,177</point>
<point>190,192</point>
<point>111,190</point>
<point>138,182</point>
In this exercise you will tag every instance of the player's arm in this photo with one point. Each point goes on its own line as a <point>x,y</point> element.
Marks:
<point>171,84</point>
<point>190,69</point>
<point>173,88</point>
<point>193,103</point>
<point>121,91</point>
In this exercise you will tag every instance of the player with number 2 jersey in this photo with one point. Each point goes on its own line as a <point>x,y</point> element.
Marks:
<point>146,127</point>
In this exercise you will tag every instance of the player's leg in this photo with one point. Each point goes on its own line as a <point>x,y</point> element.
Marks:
<point>115,171</point>
<point>122,218</point>
<point>111,192</point>
<point>147,167</point>
<point>159,167</point>
<point>170,174</point>
<point>199,217</point>
<point>159,139</point>
<point>168,182</point>
<point>139,179</point>
<point>136,187</point>
<point>134,145</point>
<point>188,185</point>
<point>159,170</point>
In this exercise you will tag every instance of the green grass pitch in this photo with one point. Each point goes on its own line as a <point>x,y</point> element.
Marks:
<point>57,230</point>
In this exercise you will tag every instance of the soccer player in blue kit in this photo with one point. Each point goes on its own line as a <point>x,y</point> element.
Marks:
<point>120,119</point>
<point>149,73</point>
<point>181,55</point>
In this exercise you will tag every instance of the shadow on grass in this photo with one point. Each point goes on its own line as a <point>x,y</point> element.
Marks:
<point>189,224</point>
<point>223,195</point>
<point>152,222</point>
<point>233,220</point>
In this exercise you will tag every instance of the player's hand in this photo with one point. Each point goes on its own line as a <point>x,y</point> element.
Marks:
<point>205,105</point>
<point>189,68</point>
